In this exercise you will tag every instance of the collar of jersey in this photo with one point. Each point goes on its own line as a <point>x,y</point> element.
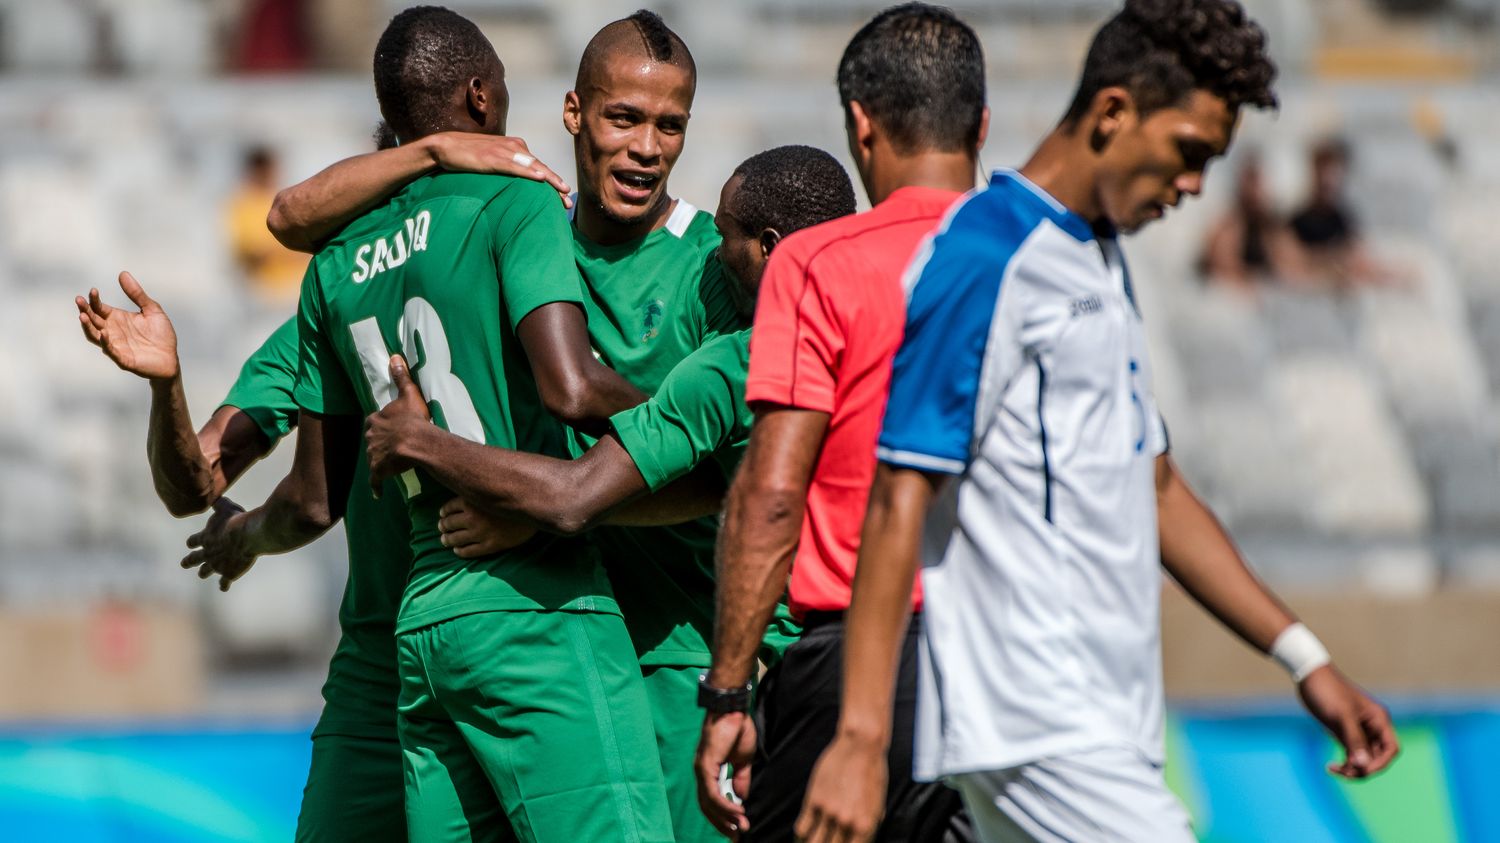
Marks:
<point>676,226</point>
<point>1054,210</point>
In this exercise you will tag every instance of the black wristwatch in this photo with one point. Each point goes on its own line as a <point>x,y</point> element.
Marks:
<point>720,700</point>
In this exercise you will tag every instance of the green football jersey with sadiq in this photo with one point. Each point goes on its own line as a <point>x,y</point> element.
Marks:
<point>443,273</point>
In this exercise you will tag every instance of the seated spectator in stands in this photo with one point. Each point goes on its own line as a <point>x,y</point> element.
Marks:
<point>1326,227</point>
<point>1251,243</point>
<point>274,271</point>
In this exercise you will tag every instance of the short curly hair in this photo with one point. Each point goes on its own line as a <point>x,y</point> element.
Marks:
<point>1163,50</point>
<point>425,53</point>
<point>790,188</point>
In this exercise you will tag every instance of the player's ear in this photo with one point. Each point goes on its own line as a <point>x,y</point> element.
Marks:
<point>768,240</point>
<point>477,100</point>
<point>984,129</point>
<point>572,113</point>
<point>861,128</point>
<point>1113,111</point>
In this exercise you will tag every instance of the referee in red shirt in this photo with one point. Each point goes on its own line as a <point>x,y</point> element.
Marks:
<point>829,319</point>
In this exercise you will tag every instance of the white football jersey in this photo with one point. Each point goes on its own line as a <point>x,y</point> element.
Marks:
<point>1023,374</point>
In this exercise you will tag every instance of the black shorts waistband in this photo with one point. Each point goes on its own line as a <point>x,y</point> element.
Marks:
<point>825,617</point>
<point>821,617</point>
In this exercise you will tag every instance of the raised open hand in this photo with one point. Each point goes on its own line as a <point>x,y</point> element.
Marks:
<point>142,342</point>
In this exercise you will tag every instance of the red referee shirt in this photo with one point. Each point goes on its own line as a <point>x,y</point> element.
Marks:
<point>830,315</point>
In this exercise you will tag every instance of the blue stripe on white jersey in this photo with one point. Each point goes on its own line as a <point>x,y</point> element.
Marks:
<point>1023,374</point>
<point>953,307</point>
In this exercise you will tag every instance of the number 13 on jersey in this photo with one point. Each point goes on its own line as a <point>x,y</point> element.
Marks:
<point>420,330</point>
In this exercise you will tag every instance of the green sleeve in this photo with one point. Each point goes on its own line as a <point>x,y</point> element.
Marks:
<point>533,249</point>
<point>781,633</point>
<point>692,415</point>
<point>322,385</point>
<point>716,298</point>
<point>263,391</point>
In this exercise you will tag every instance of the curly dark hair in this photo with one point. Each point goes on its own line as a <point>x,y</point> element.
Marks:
<point>1162,50</point>
<point>789,188</point>
<point>423,55</point>
<point>918,72</point>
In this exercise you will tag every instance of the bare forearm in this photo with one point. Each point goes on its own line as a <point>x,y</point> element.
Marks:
<point>182,474</point>
<point>881,605</point>
<point>698,494</point>
<point>756,545</point>
<point>285,522</point>
<point>555,494</point>
<point>306,214</point>
<point>1198,553</point>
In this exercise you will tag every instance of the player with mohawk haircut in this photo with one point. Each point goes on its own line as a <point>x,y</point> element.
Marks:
<point>655,291</point>
<point>521,697</point>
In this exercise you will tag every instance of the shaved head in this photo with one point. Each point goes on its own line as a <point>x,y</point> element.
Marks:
<point>628,114</point>
<point>644,36</point>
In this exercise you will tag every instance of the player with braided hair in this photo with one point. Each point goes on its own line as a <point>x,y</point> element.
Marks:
<point>1025,465</point>
<point>698,418</point>
<point>695,423</point>
<point>654,293</point>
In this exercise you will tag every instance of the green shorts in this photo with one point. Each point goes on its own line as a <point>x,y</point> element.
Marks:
<point>673,692</point>
<point>353,792</point>
<point>529,726</point>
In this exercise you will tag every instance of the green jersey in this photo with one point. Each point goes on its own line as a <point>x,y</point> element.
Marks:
<point>651,303</point>
<point>443,272</point>
<point>360,694</point>
<point>699,413</point>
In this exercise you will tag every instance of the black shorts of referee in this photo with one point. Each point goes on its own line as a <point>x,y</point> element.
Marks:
<point>796,716</point>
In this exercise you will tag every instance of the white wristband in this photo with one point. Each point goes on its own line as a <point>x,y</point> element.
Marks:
<point>1299,652</point>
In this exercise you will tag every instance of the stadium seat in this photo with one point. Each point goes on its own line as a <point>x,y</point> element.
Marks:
<point>1363,479</point>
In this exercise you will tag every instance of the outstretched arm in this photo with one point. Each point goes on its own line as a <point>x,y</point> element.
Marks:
<point>190,470</point>
<point>559,495</point>
<point>306,214</point>
<point>1197,552</point>
<point>846,796</point>
<point>304,505</point>
<point>473,533</point>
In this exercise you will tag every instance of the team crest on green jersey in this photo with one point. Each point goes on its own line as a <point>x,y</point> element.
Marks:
<point>651,315</point>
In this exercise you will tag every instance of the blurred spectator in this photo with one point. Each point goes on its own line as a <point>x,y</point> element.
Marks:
<point>1251,243</point>
<point>273,36</point>
<point>273,270</point>
<point>1326,227</point>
